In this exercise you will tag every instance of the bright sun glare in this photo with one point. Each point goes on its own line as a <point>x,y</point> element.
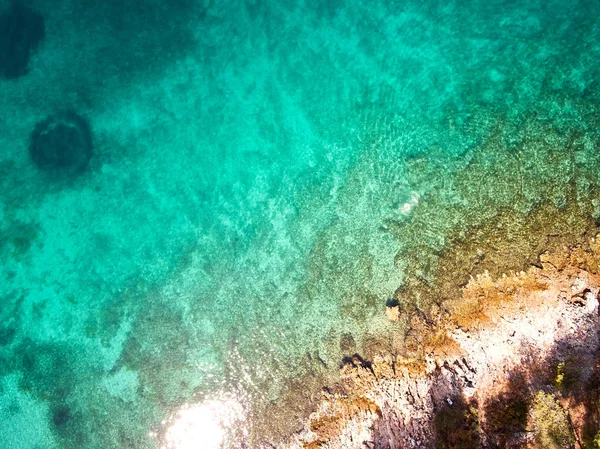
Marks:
<point>203,425</point>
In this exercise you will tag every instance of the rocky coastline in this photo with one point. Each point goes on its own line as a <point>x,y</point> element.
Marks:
<point>513,362</point>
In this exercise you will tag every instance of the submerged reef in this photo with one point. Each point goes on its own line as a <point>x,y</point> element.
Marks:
<point>504,211</point>
<point>21,32</point>
<point>62,143</point>
<point>495,341</point>
<point>513,362</point>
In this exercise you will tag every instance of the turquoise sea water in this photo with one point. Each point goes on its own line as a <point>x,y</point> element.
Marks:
<point>234,222</point>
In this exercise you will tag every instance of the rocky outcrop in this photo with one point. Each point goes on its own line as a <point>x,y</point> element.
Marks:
<point>478,373</point>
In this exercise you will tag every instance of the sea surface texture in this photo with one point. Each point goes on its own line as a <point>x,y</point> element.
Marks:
<point>265,175</point>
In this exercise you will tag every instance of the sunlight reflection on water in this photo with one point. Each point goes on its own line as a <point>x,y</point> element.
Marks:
<point>207,425</point>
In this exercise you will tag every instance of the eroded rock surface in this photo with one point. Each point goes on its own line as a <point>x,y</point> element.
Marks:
<point>477,376</point>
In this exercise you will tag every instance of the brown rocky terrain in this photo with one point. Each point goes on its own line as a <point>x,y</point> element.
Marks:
<point>513,361</point>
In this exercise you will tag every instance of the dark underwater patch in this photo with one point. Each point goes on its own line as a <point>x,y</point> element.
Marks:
<point>61,415</point>
<point>62,143</point>
<point>21,32</point>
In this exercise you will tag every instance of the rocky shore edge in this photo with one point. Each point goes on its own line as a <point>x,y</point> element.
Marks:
<point>513,362</point>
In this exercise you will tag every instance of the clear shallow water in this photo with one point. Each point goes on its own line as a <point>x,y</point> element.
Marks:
<point>250,161</point>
